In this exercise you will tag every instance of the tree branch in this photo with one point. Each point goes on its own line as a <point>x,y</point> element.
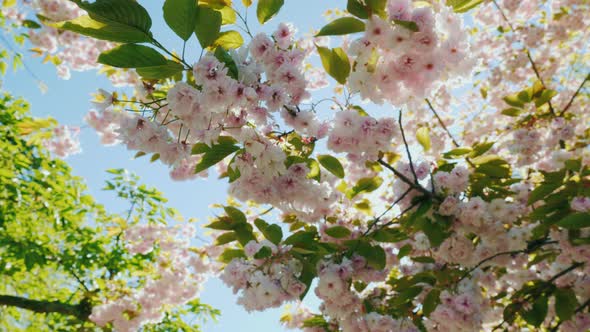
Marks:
<point>408,181</point>
<point>569,104</point>
<point>81,310</point>
<point>442,124</point>
<point>401,128</point>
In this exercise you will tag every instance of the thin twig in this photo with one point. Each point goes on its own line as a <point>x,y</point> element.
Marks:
<point>569,104</point>
<point>376,220</point>
<point>442,124</point>
<point>402,213</point>
<point>245,21</point>
<point>160,46</point>
<point>401,128</point>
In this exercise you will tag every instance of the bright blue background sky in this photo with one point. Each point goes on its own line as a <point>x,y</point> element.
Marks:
<point>68,101</point>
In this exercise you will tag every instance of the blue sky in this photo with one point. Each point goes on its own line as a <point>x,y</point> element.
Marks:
<point>68,101</point>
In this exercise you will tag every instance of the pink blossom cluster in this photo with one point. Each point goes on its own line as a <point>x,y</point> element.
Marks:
<point>177,278</point>
<point>462,312</point>
<point>536,31</point>
<point>396,64</point>
<point>288,189</point>
<point>580,204</point>
<point>269,78</point>
<point>361,136</point>
<point>141,134</point>
<point>70,50</point>
<point>64,141</point>
<point>380,323</point>
<point>541,148</point>
<point>267,282</point>
<point>580,322</point>
<point>453,182</point>
<point>74,51</point>
<point>344,305</point>
<point>334,289</point>
<point>571,253</point>
<point>295,320</point>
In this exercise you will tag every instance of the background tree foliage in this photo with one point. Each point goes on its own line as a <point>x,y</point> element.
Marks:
<point>58,246</point>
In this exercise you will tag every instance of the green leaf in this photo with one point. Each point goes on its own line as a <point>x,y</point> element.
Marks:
<point>404,251</point>
<point>223,56</point>
<point>376,257</point>
<point>437,231</point>
<point>228,15</point>
<point>356,8</point>
<point>314,169</point>
<point>223,224</point>
<point>260,224</point>
<point>181,17</point>
<point>216,4</point>
<point>424,260</point>
<point>225,238</point>
<point>301,239</point>
<point>410,25</point>
<point>462,6</point>
<point>126,12</point>
<point>342,26</point>
<point>514,101</point>
<point>389,235</point>
<point>457,153</point>
<point>431,301</point>
<point>132,56</point>
<point>207,26</point>
<point>332,165</point>
<point>512,111</point>
<point>492,165</point>
<point>423,137</point>
<point>264,252</point>
<point>235,214</point>
<point>31,24</point>
<point>538,312</point>
<point>244,233</point>
<point>338,232</point>
<point>230,254</point>
<point>407,295</point>
<point>365,185</point>
<point>267,9</point>
<point>545,97</point>
<point>481,148</point>
<point>335,62</point>
<point>171,68</point>
<point>308,273</point>
<point>524,96</point>
<point>273,233</point>
<point>565,303</point>
<point>216,153</point>
<point>543,191</point>
<point>112,31</point>
<point>229,40</point>
<point>575,221</point>
<point>200,148</point>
